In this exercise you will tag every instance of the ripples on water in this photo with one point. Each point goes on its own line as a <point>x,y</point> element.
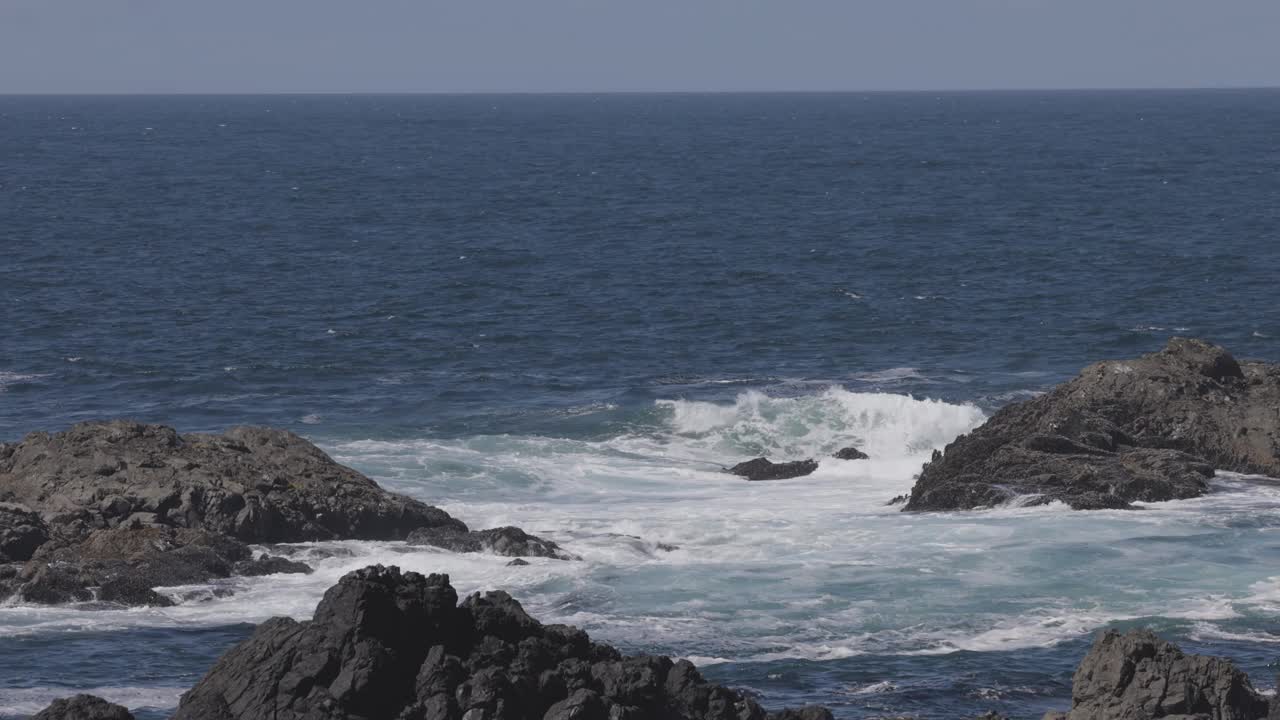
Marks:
<point>568,313</point>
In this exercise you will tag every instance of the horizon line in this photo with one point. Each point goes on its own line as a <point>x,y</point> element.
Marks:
<point>455,93</point>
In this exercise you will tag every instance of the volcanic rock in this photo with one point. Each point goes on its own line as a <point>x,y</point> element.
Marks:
<point>1149,429</point>
<point>386,644</point>
<point>1137,676</point>
<point>83,707</point>
<point>763,469</point>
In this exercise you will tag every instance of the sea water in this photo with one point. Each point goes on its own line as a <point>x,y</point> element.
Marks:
<point>569,313</point>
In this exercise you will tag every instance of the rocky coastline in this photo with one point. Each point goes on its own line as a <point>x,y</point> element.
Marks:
<point>111,511</point>
<point>1145,430</point>
<point>108,511</point>
<point>387,644</point>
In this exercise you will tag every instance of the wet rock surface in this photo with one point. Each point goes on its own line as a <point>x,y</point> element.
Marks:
<point>386,644</point>
<point>508,541</point>
<point>1149,429</point>
<point>1136,676</point>
<point>764,469</point>
<point>83,707</point>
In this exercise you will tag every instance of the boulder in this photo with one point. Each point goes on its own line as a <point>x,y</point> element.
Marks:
<point>386,644</point>
<point>763,469</point>
<point>258,485</point>
<point>83,707</point>
<point>1137,676</point>
<point>508,541</point>
<point>22,531</point>
<point>1150,429</point>
<point>850,453</point>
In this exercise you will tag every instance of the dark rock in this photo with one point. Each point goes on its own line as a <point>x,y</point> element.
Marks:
<point>124,565</point>
<point>509,541</point>
<point>762,469</point>
<point>386,644</point>
<point>22,531</point>
<point>1150,429</point>
<point>83,707</point>
<point>1137,675</point>
<point>518,562</point>
<point>270,565</point>
<point>851,453</point>
<point>254,484</point>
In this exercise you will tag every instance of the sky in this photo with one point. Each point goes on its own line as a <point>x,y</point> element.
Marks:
<point>254,46</point>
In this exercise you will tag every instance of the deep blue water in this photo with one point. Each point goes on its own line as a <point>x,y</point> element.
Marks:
<point>476,272</point>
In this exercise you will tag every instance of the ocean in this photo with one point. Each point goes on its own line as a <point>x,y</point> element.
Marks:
<point>568,313</point>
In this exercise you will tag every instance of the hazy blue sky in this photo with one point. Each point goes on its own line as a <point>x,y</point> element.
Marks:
<point>536,45</point>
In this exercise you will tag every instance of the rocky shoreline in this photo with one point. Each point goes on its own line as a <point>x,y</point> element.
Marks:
<point>387,644</point>
<point>1145,430</point>
<point>108,511</point>
<point>111,511</point>
<point>399,646</point>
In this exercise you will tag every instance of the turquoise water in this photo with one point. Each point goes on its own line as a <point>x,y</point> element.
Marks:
<point>568,313</point>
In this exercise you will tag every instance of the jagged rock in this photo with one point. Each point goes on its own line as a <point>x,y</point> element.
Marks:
<point>386,644</point>
<point>254,484</point>
<point>22,531</point>
<point>1149,429</point>
<point>509,541</point>
<point>850,453</point>
<point>83,707</point>
<point>518,562</point>
<point>1137,676</point>
<point>763,469</point>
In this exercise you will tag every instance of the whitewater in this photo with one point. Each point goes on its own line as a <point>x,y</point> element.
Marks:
<point>774,582</point>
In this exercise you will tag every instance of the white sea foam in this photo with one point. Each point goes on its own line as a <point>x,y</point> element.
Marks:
<point>28,701</point>
<point>681,557</point>
<point>15,378</point>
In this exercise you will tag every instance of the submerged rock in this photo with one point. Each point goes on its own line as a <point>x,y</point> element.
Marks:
<point>508,541</point>
<point>83,707</point>
<point>1149,429</point>
<point>1137,675</point>
<point>851,453</point>
<point>763,469</point>
<point>386,644</point>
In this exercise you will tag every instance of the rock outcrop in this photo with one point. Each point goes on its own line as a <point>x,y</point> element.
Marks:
<point>109,511</point>
<point>123,565</point>
<point>258,485</point>
<point>850,453</point>
<point>1149,429</point>
<point>1137,676</point>
<point>763,469</point>
<point>386,644</point>
<point>83,707</point>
